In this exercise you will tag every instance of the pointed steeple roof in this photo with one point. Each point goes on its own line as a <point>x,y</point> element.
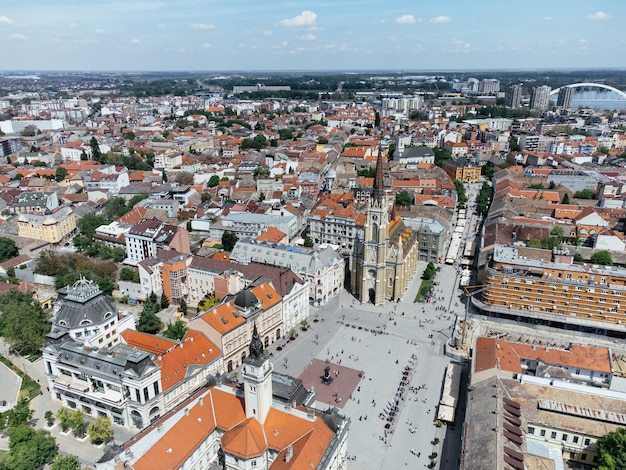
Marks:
<point>379,189</point>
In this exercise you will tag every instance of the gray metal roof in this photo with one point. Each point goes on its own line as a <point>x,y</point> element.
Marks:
<point>83,304</point>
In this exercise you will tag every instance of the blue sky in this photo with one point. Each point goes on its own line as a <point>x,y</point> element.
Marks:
<point>312,35</point>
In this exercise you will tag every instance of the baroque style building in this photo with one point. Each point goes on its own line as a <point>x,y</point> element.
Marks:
<point>384,260</point>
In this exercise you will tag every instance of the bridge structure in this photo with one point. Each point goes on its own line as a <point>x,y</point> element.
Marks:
<point>588,91</point>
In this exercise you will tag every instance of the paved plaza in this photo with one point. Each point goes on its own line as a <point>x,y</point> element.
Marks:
<point>399,351</point>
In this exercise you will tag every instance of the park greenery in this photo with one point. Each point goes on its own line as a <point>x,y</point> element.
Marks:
<point>602,257</point>
<point>460,194</point>
<point>427,279</point>
<point>23,323</point>
<point>8,249</point>
<point>67,268</point>
<point>553,241</point>
<point>100,430</point>
<point>483,200</point>
<point>404,199</point>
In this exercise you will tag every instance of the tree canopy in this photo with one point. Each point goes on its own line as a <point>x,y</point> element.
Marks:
<point>28,448</point>
<point>148,320</point>
<point>176,330</point>
<point>100,430</point>
<point>23,323</point>
<point>8,249</point>
<point>602,257</point>
<point>404,199</point>
<point>229,240</point>
<point>612,450</point>
<point>213,181</point>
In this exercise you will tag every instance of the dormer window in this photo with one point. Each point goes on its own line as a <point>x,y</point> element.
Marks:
<point>85,322</point>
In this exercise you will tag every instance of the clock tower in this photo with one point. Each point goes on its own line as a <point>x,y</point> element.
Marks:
<point>257,380</point>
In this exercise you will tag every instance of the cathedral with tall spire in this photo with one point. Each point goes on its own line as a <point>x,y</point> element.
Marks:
<point>384,261</point>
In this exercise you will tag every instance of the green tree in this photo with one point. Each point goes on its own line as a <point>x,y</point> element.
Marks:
<point>8,249</point>
<point>165,302</point>
<point>88,224</point>
<point>602,257</point>
<point>213,181</point>
<point>65,462</point>
<point>100,430</point>
<point>229,240</point>
<point>60,173</point>
<point>77,422</point>
<point>148,321</point>
<point>130,135</point>
<point>612,450</point>
<point>127,274</point>
<point>565,199</point>
<point>308,242</point>
<point>585,194</point>
<point>96,155</point>
<point>182,306</point>
<point>460,194</point>
<point>260,171</point>
<point>404,199</point>
<point>578,257</point>
<point>205,197</point>
<point>29,448</point>
<point>24,324</point>
<point>63,417</point>
<point>49,417</point>
<point>176,330</point>
<point>20,414</point>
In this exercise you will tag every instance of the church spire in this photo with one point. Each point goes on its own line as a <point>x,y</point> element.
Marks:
<point>379,189</point>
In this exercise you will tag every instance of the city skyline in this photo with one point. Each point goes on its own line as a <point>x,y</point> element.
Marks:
<point>314,35</point>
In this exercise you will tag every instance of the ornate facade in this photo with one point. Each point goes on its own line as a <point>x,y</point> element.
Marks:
<point>384,260</point>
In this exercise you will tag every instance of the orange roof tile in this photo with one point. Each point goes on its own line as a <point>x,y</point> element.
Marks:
<point>272,235</point>
<point>245,440</point>
<point>267,295</point>
<point>492,352</point>
<point>223,318</point>
<point>149,343</point>
<point>194,349</point>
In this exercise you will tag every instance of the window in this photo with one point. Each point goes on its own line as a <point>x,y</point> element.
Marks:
<point>543,433</point>
<point>156,388</point>
<point>146,395</point>
<point>564,437</point>
<point>531,430</point>
<point>587,441</point>
<point>553,435</point>
<point>583,457</point>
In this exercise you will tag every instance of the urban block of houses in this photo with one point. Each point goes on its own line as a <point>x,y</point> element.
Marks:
<point>322,267</point>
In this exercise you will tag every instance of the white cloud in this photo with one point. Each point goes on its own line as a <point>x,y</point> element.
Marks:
<point>547,18</point>
<point>135,41</point>
<point>440,20</point>
<point>308,37</point>
<point>87,41</point>
<point>161,26</point>
<point>202,26</point>
<point>598,15</point>
<point>406,19</point>
<point>182,50</point>
<point>18,37</point>
<point>267,32</point>
<point>305,19</point>
<point>583,44</point>
<point>281,45</point>
<point>73,25</point>
<point>98,31</point>
<point>6,20</point>
<point>378,22</point>
<point>206,45</point>
<point>461,46</point>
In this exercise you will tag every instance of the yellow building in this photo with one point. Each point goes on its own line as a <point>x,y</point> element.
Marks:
<point>555,291</point>
<point>53,228</point>
<point>462,170</point>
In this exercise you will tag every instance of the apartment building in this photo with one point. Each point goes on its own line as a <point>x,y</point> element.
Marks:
<point>144,239</point>
<point>53,228</point>
<point>322,267</point>
<point>540,402</point>
<point>39,202</point>
<point>230,325</point>
<point>462,170</point>
<point>551,288</point>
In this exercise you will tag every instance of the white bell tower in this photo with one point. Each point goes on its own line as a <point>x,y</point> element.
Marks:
<point>257,380</point>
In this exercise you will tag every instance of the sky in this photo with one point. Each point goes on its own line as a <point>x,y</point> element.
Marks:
<point>274,35</point>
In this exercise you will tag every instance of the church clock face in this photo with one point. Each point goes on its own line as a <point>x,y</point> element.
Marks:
<point>374,217</point>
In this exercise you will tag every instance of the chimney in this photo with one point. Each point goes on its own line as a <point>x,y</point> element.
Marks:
<point>289,454</point>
